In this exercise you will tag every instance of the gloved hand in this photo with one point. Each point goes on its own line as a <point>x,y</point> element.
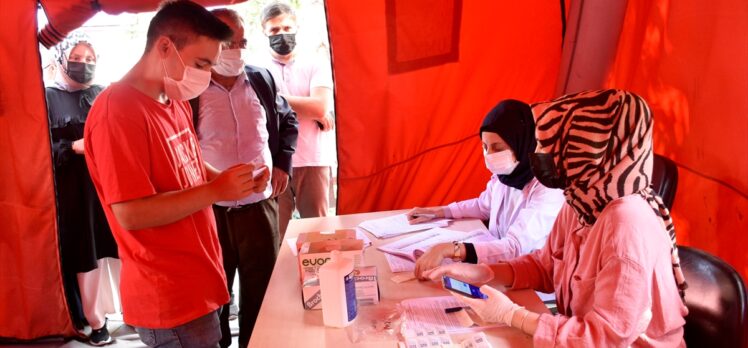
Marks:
<point>496,309</point>
<point>467,272</point>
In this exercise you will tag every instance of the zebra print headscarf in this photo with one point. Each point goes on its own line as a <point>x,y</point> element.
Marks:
<point>601,141</point>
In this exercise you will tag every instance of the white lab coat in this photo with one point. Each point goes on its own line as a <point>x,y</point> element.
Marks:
<point>520,219</point>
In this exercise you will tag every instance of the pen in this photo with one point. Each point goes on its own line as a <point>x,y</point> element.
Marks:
<point>453,309</point>
<point>430,216</point>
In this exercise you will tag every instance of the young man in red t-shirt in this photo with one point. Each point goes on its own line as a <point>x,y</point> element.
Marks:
<point>146,164</point>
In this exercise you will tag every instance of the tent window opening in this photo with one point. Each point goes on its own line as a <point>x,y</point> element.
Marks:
<point>119,41</point>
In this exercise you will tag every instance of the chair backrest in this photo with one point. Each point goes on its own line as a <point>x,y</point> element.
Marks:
<point>665,179</point>
<point>716,300</point>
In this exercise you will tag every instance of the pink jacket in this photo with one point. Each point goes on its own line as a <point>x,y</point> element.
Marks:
<point>613,281</point>
<point>519,219</point>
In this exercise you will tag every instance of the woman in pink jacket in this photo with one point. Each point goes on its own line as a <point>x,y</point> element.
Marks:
<point>611,257</point>
<point>519,210</point>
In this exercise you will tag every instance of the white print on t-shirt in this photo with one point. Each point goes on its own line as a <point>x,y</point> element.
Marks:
<point>184,153</point>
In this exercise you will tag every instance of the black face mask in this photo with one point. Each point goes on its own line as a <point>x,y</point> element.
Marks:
<point>545,170</point>
<point>282,44</point>
<point>81,72</point>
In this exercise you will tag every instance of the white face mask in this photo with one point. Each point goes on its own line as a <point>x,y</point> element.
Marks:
<point>193,83</point>
<point>230,63</point>
<point>500,163</point>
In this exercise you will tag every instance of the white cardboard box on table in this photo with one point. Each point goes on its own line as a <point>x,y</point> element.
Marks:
<point>312,255</point>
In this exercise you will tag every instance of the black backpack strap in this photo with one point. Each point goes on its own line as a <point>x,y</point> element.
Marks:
<point>195,104</point>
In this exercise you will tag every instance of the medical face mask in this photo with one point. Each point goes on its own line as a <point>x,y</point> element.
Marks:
<point>500,163</point>
<point>545,170</point>
<point>193,83</point>
<point>81,72</point>
<point>282,44</point>
<point>230,63</point>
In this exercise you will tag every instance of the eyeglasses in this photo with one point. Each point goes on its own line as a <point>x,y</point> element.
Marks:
<point>241,44</point>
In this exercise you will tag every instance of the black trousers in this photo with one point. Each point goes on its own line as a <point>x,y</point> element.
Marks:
<point>249,242</point>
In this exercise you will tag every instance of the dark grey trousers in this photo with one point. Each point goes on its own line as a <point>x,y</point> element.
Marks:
<point>249,242</point>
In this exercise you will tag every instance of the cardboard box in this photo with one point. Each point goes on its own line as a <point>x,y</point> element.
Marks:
<point>367,286</point>
<point>310,237</point>
<point>313,255</point>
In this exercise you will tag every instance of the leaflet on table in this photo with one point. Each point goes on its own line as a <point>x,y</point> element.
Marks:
<point>412,247</point>
<point>427,315</point>
<point>396,225</point>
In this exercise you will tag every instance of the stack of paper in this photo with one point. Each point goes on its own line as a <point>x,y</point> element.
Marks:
<point>396,225</point>
<point>412,247</point>
<point>402,254</point>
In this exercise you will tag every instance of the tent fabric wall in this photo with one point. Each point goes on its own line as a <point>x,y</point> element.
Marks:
<point>65,15</point>
<point>32,302</point>
<point>590,44</point>
<point>409,137</point>
<point>687,58</point>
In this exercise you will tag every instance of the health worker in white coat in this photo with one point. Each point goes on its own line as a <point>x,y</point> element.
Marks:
<point>519,210</point>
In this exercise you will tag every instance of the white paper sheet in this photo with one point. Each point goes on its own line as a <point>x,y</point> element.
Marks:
<point>426,314</point>
<point>399,264</point>
<point>396,225</point>
<point>412,247</point>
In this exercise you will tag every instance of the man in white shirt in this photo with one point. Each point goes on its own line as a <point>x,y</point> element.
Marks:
<point>307,85</point>
<point>241,119</point>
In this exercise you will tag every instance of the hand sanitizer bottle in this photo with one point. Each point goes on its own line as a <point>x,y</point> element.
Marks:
<point>338,291</point>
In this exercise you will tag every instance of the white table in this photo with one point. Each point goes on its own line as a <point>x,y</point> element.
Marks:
<point>283,322</point>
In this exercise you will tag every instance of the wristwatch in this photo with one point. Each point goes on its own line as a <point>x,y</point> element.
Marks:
<point>456,257</point>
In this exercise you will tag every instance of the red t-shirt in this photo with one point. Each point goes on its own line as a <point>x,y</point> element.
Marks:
<point>137,147</point>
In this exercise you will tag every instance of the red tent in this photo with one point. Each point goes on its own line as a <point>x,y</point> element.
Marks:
<point>413,80</point>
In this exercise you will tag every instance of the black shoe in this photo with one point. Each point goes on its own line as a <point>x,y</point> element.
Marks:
<point>100,337</point>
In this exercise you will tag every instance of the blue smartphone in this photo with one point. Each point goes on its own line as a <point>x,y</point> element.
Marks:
<point>463,288</point>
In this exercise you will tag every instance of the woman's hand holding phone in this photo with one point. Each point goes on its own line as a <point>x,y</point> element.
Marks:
<point>467,272</point>
<point>462,288</point>
<point>495,308</point>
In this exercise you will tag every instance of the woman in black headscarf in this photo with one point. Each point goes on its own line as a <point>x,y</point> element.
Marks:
<point>519,210</point>
<point>85,237</point>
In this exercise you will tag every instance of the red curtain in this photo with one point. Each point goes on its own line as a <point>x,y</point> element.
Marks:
<point>32,302</point>
<point>414,79</point>
<point>66,15</point>
<point>687,58</point>
<point>590,44</point>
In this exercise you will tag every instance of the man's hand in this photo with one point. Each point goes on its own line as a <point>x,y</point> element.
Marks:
<point>279,182</point>
<point>78,146</point>
<point>261,178</point>
<point>326,122</point>
<point>234,183</point>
